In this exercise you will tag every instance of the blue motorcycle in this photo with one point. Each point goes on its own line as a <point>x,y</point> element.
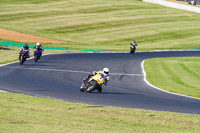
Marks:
<point>37,55</point>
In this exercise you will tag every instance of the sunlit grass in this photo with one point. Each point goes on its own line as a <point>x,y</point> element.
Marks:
<point>179,75</point>
<point>20,113</point>
<point>103,25</point>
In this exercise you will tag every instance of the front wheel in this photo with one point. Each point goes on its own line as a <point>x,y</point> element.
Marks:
<point>132,50</point>
<point>36,58</point>
<point>21,60</point>
<point>82,88</point>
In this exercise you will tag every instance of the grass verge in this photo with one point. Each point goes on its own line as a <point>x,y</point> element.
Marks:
<point>103,25</point>
<point>180,75</point>
<point>21,113</point>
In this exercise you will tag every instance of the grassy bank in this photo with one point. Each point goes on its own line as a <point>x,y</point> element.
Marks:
<point>20,113</point>
<point>103,25</point>
<point>179,75</point>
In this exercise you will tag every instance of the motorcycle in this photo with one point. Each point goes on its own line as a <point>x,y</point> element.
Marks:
<point>132,49</point>
<point>37,55</point>
<point>93,83</point>
<point>192,2</point>
<point>23,56</point>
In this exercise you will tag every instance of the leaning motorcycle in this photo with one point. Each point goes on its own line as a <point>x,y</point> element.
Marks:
<point>132,49</point>
<point>23,56</point>
<point>94,83</point>
<point>37,55</point>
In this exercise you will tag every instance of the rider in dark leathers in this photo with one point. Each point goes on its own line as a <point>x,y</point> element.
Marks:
<point>134,43</point>
<point>38,47</point>
<point>24,48</point>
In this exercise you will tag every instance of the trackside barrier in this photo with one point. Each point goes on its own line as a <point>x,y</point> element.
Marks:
<point>174,5</point>
<point>50,48</point>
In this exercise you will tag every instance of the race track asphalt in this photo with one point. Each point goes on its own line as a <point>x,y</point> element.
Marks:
<point>60,76</point>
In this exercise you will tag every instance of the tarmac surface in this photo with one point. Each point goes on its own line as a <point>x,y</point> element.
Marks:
<point>60,76</point>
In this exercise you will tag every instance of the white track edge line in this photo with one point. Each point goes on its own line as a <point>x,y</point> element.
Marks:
<point>72,71</point>
<point>144,73</point>
<point>27,59</point>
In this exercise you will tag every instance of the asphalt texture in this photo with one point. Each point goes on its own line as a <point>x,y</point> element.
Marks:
<point>60,76</point>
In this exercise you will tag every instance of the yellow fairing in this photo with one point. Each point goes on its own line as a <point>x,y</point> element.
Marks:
<point>99,78</point>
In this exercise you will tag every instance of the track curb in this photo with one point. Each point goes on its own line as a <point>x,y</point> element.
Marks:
<point>147,82</point>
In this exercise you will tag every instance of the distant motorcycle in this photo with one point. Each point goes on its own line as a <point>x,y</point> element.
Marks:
<point>132,49</point>
<point>94,83</point>
<point>23,56</point>
<point>37,55</point>
<point>192,2</point>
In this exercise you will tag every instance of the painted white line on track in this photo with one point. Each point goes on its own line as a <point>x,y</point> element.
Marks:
<point>124,74</point>
<point>33,57</point>
<point>44,69</point>
<point>70,71</point>
<point>144,73</point>
<point>142,65</point>
<point>27,59</point>
<point>2,91</point>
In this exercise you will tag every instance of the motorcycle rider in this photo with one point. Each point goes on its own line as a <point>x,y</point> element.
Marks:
<point>24,48</point>
<point>134,44</point>
<point>105,72</point>
<point>38,47</point>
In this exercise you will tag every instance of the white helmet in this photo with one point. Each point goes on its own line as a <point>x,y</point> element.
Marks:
<point>37,44</point>
<point>106,70</point>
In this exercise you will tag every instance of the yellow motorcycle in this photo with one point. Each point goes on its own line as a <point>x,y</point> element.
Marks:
<point>93,83</point>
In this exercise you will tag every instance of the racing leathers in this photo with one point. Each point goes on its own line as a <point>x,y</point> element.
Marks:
<point>24,49</point>
<point>93,74</point>
<point>134,44</point>
<point>39,48</point>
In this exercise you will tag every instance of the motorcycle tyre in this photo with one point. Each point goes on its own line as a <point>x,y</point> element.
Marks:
<point>91,87</point>
<point>81,88</point>
<point>21,60</point>
<point>99,89</point>
<point>36,58</point>
<point>132,51</point>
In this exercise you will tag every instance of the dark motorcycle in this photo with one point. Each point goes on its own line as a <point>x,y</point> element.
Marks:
<point>132,49</point>
<point>23,56</point>
<point>37,55</point>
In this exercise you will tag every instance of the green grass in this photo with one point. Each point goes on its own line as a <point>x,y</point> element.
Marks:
<point>179,75</point>
<point>100,25</point>
<point>21,113</point>
<point>104,24</point>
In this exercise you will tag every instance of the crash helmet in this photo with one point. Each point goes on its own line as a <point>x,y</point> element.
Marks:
<point>106,70</point>
<point>37,44</point>
<point>26,46</point>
